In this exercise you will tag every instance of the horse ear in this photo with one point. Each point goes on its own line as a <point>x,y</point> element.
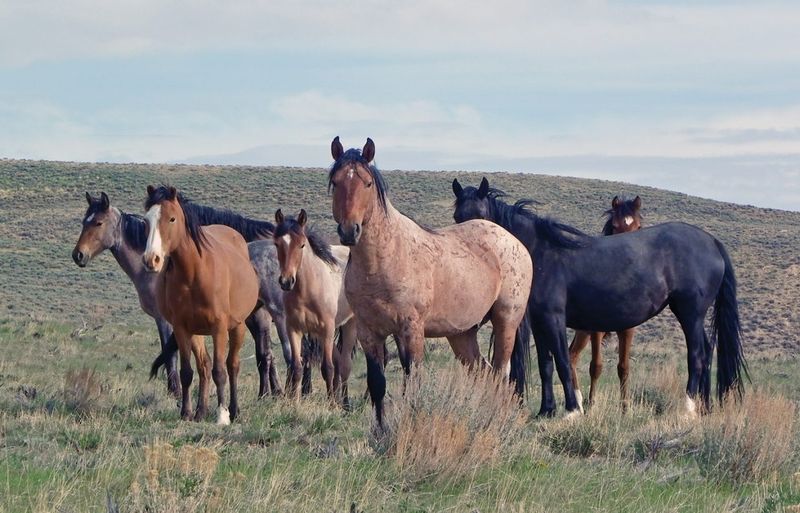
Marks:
<point>150,190</point>
<point>615,202</point>
<point>336,148</point>
<point>457,189</point>
<point>88,198</point>
<point>483,190</point>
<point>104,201</point>
<point>637,203</point>
<point>173,192</point>
<point>278,216</point>
<point>302,217</point>
<point>369,150</point>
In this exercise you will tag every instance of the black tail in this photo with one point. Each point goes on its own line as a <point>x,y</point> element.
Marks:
<point>726,334</point>
<point>521,357</point>
<point>251,229</point>
<point>167,353</point>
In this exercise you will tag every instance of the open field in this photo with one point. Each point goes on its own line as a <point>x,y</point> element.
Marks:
<point>81,428</point>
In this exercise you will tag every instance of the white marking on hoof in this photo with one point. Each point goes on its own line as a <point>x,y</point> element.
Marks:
<point>507,370</point>
<point>691,408</point>
<point>573,415</point>
<point>223,417</point>
<point>579,398</point>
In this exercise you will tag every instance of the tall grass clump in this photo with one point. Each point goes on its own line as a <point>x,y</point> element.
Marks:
<point>749,441</point>
<point>174,480</point>
<point>450,422</point>
<point>82,391</point>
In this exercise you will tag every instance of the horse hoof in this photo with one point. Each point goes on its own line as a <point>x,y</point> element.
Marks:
<point>223,417</point>
<point>546,414</point>
<point>200,415</point>
<point>573,415</point>
<point>579,399</point>
<point>691,409</point>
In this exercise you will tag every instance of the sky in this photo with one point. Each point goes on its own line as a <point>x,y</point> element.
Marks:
<point>698,96</point>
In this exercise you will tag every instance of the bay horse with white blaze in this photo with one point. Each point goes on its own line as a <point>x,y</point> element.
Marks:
<point>311,274</point>
<point>412,282</point>
<point>624,216</point>
<point>207,287</point>
<point>615,283</point>
<point>105,227</point>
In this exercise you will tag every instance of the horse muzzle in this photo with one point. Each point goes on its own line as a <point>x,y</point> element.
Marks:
<point>80,258</point>
<point>287,284</point>
<point>349,235</point>
<point>152,262</point>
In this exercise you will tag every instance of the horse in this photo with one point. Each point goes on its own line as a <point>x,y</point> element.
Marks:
<point>615,283</point>
<point>311,274</point>
<point>414,282</point>
<point>105,227</point>
<point>624,216</point>
<point>206,286</point>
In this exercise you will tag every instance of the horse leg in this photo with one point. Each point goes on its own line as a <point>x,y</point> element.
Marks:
<point>258,323</point>
<point>219,372</point>
<point>625,338</point>
<point>326,365</point>
<point>310,351</point>
<point>504,333</point>
<point>164,332</point>
<point>596,365</point>
<point>345,358</point>
<point>579,343</point>
<point>373,346</point>
<point>696,358</point>
<point>412,338</point>
<point>550,335</point>
<point>236,339</point>
<point>465,347</point>
<point>295,371</point>
<point>203,370</point>
<point>185,351</point>
<point>283,336</point>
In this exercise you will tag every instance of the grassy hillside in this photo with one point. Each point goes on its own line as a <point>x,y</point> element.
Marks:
<point>81,428</point>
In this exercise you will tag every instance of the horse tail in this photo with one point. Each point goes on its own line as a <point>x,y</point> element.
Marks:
<point>169,349</point>
<point>521,356</point>
<point>726,333</point>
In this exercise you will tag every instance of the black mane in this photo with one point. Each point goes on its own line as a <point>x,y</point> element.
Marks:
<point>134,231</point>
<point>626,208</point>
<point>193,226</point>
<point>251,229</point>
<point>505,215</point>
<point>353,155</point>
<point>318,244</point>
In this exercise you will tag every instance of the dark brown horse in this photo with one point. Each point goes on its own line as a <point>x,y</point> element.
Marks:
<point>624,216</point>
<point>412,282</point>
<point>207,287</point>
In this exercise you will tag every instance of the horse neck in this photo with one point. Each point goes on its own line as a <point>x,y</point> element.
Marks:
<point>381,238</point>
<point>128,258</point>
<point>185,259</point>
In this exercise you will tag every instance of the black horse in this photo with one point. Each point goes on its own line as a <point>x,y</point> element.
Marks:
<point>615,283</point>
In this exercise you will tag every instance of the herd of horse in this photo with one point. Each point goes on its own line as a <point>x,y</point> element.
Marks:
<point>201,271</point>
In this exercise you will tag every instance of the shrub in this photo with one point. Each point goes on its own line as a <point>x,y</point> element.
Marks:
<point>82,390</point>
<point>450,421</point>
<point>750,441</point>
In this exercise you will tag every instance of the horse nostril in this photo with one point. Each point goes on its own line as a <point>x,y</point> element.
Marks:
<point>157,259</point>
<point>357,229</point>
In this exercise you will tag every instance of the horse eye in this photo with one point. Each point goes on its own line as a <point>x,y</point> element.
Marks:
<point>369,184</point>
<point>302,245</point>
<point>99,223</point>
<point>171,219</point>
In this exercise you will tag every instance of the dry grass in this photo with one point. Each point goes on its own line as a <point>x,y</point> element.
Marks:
<point>174,479</point>
<point>748,442</point>
<point>450,421</point>
<point>82,390</point>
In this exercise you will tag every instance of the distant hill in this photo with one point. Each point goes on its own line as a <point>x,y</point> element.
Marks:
<point>41,205</point>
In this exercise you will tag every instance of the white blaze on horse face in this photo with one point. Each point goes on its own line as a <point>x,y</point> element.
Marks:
<point>89,218</point>
<point>287,240</point>
<point>628,220</point>
<point>350,173</point>
<point>154,247</point>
